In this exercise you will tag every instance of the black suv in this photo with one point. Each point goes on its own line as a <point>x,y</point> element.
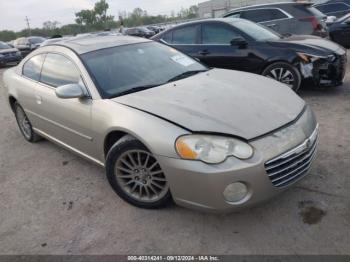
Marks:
<point>246,46</point>
<point>285,18</point>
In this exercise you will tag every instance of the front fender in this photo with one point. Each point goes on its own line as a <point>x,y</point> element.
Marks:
<point>157,134</point>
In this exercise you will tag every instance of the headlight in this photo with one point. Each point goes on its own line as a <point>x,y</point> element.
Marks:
<point>211,149</point>
<point>308,58</point>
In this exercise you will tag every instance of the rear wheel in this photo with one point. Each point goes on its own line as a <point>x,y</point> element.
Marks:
<point>284,73</point>
<point>136,176</point>
<point>24,124</point>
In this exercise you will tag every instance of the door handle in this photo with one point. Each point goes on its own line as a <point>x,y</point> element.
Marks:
<point>38,99</point>
<point>204,52</point>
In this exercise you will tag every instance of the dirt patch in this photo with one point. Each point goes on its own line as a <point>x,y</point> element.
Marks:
<point>310,213</point>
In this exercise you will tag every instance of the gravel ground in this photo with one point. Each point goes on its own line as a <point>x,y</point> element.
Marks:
<point>53,202</point>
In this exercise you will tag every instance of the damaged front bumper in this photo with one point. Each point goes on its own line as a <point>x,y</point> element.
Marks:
<point>329,71</point>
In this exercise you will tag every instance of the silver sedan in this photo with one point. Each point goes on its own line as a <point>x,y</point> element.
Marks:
<point>165,127</point>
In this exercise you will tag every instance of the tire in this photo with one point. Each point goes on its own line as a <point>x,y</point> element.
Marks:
<point>136,176</point>
<point>24,124</point>
<point>290,74</point>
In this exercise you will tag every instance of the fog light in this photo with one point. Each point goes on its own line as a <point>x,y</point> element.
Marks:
<point>235,192</point>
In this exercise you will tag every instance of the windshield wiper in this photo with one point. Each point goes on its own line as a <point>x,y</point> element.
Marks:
<point>134,89</point>
<point>186,74</point>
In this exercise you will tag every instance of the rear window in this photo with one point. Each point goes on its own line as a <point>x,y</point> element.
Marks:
<point>302,10</point>
<point>262,15</point>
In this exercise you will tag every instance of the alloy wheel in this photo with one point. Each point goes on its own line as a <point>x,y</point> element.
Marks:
<point>282,75</point>
<point>140,176</point>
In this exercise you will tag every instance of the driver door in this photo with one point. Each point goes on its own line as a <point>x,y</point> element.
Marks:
<point>66,120</point>
<point>216,49</point>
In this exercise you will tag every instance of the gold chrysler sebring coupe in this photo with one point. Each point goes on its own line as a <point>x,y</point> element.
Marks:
<point>164,126</point>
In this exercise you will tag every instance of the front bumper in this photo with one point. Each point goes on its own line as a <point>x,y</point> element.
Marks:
<point>197,185</point>
<point>325,72</point>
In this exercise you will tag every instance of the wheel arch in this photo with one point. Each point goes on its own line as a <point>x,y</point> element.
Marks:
<point>12,100</point>
<point>113,136</point>
<point>277,60</point>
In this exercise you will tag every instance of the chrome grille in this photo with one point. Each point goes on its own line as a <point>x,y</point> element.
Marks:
<point>294,164</point>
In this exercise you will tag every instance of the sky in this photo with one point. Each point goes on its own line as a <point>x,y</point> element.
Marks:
<point>14,12</point>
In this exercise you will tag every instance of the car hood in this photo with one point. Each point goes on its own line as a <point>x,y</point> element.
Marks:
<point>221,101</point>
<point>9,50</point>
<point>303,43</point>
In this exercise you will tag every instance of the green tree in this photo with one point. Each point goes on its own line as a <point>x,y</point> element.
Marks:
<point>96,18</point>
<point>85,17</point>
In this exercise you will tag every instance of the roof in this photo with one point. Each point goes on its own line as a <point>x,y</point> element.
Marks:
<point>269,4</point>
<point>90,43</point>
<point>223,19</point>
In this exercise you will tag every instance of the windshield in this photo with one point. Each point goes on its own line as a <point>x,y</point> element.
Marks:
<point>257,32</point>
<point>120,69</point>
<point>36,40</point>
<point>4,45</point>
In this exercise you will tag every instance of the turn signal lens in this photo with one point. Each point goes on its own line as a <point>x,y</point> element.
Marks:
<point>184,150</point>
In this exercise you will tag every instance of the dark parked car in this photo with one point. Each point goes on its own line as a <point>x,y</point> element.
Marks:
<point>339,31</point>
<point>155,29</point>
<point>139,31</point>
<point>337,9</point>
<point>239,44</point>
<point>28,44</point>
<point>9,55</point>
<point>285,18</point>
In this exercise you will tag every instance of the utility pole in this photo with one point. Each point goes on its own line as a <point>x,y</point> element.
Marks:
<point>28,26</point>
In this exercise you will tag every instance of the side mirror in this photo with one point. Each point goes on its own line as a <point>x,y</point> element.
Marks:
<point>70,91</point>
<point>239,41</point>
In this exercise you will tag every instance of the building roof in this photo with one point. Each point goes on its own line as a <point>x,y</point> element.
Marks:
<point>90,43</point>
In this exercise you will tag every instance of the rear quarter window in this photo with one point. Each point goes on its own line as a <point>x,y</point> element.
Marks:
<point>32,67</point>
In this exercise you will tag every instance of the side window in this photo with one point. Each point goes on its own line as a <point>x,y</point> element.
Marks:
<point>277,14</point>
<point>185,35</point>
<point>217,34</point>
<point>168,37</point>
<point>263,15</point>
<point>234,15</point>
<point>32,67</point>
<point>59,70</point>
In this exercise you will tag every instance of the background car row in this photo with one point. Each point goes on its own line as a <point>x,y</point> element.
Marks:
<point>322,19</point>
<point>234,43</point>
